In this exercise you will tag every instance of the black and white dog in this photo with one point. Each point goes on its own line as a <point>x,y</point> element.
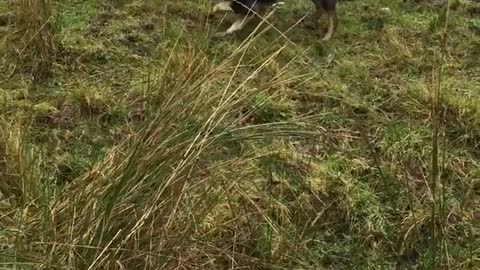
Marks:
<point>245,11</point>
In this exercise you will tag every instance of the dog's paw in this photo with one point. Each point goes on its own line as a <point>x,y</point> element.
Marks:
<point>278,4</point>
<point>220,34</point>
<point>327,37</point>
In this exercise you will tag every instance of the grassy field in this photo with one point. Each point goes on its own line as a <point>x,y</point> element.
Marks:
<point>150,144</point>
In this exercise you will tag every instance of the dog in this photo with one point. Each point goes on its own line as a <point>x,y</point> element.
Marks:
<point>245,11</point>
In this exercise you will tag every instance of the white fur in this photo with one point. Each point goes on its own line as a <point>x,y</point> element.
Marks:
<point>222,6</point>
<point>239,24</point>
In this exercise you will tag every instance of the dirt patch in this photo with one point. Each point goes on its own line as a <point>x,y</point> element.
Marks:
<point>100,22</point>
<point>135,42</point>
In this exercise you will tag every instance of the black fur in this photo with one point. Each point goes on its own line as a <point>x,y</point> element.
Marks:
<point>327,5</point>
<point>243,7</point>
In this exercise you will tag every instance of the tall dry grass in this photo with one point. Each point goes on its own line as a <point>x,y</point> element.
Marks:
<point>35,31</point>
<point>179,193</point>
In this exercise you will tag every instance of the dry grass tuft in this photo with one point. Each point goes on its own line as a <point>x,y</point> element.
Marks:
<point>19,171</point>
<point>171,195</point>
<point>35,36</point>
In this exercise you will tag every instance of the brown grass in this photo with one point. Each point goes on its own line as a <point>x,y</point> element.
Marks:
<point>35,36</point>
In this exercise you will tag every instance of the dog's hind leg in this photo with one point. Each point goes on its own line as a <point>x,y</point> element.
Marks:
<point>223,6</point>
<point>328,6</point>
<point>239,24</point>
<point>332,25</point>
<point>318,15</point>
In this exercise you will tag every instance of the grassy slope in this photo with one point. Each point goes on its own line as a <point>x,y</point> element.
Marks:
<point>356,197</point>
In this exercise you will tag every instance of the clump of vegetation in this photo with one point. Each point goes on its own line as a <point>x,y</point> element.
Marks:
<point>35,33</point>
<point>153,146</point>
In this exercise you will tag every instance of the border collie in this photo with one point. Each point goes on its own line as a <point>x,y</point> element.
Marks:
<point>245,11</point>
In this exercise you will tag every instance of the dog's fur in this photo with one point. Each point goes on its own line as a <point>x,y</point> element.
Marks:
<point>245,10</point>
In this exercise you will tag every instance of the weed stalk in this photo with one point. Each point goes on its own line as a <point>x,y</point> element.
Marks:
<point>438,203</point>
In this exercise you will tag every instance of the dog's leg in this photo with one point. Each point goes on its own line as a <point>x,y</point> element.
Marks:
<point>239,24</point>
<point>318,15</point>
<point>222,6</point>
<point>332,25</point>
<point>326,6</point>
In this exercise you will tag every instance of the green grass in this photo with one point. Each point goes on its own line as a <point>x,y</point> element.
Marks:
<point>156,146</point>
